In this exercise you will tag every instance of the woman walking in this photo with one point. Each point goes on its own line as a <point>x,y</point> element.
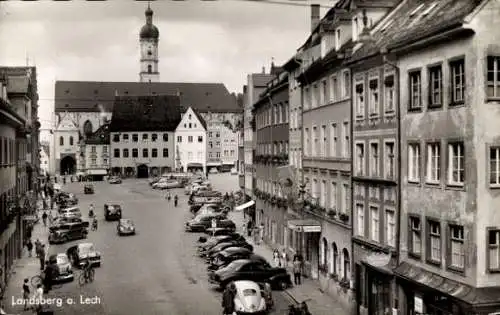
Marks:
<point>297,272</point>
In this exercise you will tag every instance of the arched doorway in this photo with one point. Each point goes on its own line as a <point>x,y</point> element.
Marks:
<point>155,171</point>
<point>68,165</point>
<point>142,171</point>
<point>129,171</point>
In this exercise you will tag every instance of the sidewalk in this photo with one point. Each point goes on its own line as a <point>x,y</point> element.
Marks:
<point>25,267</point>
<point>318,302</point>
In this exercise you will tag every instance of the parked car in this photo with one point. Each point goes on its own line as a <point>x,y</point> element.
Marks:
<point>167,184</point>
<point>126,227</point>
<point>64,199</point>
<point>221,263</point>
<point>203,221</point>
<point>63,220</point>
<point>234,171</point>
<point>83,252</point>
<point>222,246</point>
<point>63,233</point>
<point>212,241</point>
<point>115,180</point>
<point>220,230</point>
<point>250,298</point>
<point>229,254</point>
<point>88,189</point>
<point>64,270</point>
<point>209,208</point>
<point>213,170</point>
<point>153,180</point>
<point>112,212</point>
<point>246,269</point>
<point>71,212</point>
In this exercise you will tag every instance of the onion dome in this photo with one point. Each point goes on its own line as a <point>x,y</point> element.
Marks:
<point>149,31</point>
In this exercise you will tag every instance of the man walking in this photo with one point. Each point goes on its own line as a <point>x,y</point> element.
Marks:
<point>29,246</point>
<point>297,270</point>
<point>42,257</point>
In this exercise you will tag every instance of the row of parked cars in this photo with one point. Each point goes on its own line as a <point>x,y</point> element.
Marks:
<point>230,258</point>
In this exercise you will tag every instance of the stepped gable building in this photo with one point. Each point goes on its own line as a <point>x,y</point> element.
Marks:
<point>142,134</point>
<point>97,157</point>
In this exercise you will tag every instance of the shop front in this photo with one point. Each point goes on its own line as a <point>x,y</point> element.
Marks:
<point>309,232</point>
<point>424,292</point>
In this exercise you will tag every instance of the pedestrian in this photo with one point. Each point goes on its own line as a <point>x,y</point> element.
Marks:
<point>91,210</point>
<point>26,293</point>
<point>38,297</point>
<point>169,196</point>
<point>42,257</point>
<point>228,299</point>
<point>176,200</point>
<point>284,258</point>
<point>51,218</point>
<point>44,218</point>
<point>94,224</point>
<point>276,258</point>
<point>49,274</point>
<point>45,205</point>
<point>29,230</point>
<point>38,246</point>
<point>256,235</point>
<point>297,268</point>
<point>29,246</point>
<point>261,232</point>
<point>249,227</point>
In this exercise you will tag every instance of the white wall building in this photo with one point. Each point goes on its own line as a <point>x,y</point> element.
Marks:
<point>67,158</point>
<point>229,149</point>
<point>190,142</point>
<point>44,158</point>
<point>97,155</point>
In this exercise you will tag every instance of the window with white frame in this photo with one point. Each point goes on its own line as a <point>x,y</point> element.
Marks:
<point>374,97</point>
<point>360,158</point>
<point>360,219</point>
<point>333,140</point>
<point>374,158</point>
<point>389,160</point>
<point>333,196</point>
<point>323,93</point>
<point>456,163</point>
<point>415,101</point>
<point>457,73</point>
<point>360,100</point>
<point>346,86</point>
<point>433,162</point>
<point>345,198</point>
<point>315,144</point>
<point>323,141</point>
<point>315,94</point>
<point>495,166</point>
<point>435,86</point>
<point>457,247</point>
<point>390,228</point>
<point>493,250</point>
<point>493,77</point>
<point>415,236</point>
<point>414,162</point>
<point>374,224</point>
<point>323,194</point>
<point>346,137</point>
<point>434,238</point>
<point>307,142</point>
<point>389,98</point>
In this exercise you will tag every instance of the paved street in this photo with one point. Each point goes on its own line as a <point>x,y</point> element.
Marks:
<point>154,272</point>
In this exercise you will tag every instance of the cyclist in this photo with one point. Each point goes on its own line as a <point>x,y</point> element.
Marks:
<point>87,267</point>
<point>91,211</point>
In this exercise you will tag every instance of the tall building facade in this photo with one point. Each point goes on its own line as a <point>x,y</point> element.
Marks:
<point>149,39</point>
<point>191,142</point>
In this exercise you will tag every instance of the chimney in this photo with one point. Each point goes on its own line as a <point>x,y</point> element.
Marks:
<point>314,16</point>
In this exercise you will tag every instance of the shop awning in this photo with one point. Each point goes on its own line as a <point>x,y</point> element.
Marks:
<point>244,206</point>
<point>214,164</point>
<point>476,297</point>
<point>97,172</point>
<point>307,226</point>
<point>194,165</point>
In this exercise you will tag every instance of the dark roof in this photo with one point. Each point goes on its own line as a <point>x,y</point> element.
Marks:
<point>261,79</point>
<point>403,27</point>
<point>100,136</point>
<point>146,113</point>
<point>292,64</point>
<point>90,96</point>
<point>200,118</point>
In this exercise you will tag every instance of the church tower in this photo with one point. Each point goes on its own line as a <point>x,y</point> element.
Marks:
<point>149,36</point>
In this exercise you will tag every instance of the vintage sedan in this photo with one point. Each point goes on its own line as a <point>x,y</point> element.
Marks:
<point>64,270</point>
<point>125,227</point>
<point>83,252</point>
<point>203,221</point>
<point>213,241</point>
<point>64,199</point>
<point>115,180</point>
<point>112,212</point>
<point>227,255</point>
<point>249,298</point>
<point>222,246</point>
<point>246,269</point>
<point>65,232</point>
<point>234,171</point>
<point>216,231</point>
<point>167,184</point>
<point>88,189</point>
<point>222,263</point>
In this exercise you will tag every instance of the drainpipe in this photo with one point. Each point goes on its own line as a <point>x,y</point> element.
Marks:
<point>399,177</point>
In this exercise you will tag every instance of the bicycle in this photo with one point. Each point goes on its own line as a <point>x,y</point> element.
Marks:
<point>299,308</point>
<point>86,276</point>
<point>38,279</point>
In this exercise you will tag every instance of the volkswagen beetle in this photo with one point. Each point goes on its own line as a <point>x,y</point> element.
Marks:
<point>249,298</point>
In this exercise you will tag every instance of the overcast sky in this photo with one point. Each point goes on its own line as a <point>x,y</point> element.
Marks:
<point>219,41</point>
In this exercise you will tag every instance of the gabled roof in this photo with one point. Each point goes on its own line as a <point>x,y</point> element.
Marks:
<point>261,79</point>
<point>66,123</point>
<point>146,113</point>
<point>78,96</point>
<point>414,20</point>
<point>200,118</point>
<point>100,136</point>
